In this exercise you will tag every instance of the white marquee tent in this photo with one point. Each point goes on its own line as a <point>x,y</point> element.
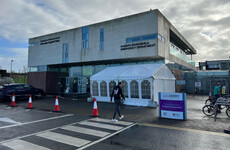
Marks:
<point>141,83</point>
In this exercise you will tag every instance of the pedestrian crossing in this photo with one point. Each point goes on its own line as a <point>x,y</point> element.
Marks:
<point>73,136</point>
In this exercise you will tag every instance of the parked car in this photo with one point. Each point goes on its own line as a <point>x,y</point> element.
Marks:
<point>20,90</point>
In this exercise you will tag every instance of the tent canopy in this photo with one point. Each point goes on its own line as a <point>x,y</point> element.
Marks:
<point>156,71</point>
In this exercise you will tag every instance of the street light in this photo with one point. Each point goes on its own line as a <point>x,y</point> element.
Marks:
<point>11,67</point>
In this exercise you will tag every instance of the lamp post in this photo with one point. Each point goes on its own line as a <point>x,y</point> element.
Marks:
<point>11,67</point>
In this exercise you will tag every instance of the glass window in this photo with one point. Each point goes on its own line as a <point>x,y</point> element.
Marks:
<point>112,85</point>
<point>125,88</point>
<point>42,68</point>
<point>99,68</point>
<point>65,53</point>
<point>75,71</point>
<point>85,37</point>
<point>33,69</point>
<point>87,70</point>
<point>103,87</point>
<point>145,89</point>
<point>101,39</point>
<point>18,87</point>
<point>95,88</point>
<point>134,89</point>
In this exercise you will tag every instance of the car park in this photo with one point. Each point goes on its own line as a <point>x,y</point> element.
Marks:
<point>20,90</point>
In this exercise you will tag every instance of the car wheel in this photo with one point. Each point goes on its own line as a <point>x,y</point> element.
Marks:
<point>39,95</point>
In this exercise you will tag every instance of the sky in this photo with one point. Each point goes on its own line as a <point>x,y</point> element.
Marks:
<point>204,23</point>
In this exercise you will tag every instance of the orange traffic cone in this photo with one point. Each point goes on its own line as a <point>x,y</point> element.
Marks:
<point>56,107</point>
<point>95,111</point>
<point>30,103</point>
<point>13,101</point>
<point>209,96</point>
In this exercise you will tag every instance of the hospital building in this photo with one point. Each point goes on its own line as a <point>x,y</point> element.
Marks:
<point>63,62</point>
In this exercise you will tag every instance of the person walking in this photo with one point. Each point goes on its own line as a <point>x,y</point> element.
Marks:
<point>117,94</point>
<point>223,91</point>
<point>217,94</point>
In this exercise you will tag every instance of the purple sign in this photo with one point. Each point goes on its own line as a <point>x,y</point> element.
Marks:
<point>172,105</point>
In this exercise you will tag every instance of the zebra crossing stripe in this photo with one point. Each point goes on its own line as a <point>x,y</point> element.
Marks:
<point>101,125</point>
<point>64,139</point>
<point>110,121</point>
<point>86,131</point>
<point>23,145</point>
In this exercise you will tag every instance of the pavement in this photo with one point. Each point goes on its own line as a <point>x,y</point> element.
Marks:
<point>141,115</point>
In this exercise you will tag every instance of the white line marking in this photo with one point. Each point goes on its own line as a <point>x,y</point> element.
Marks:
<point>86,131</point>
<point>110,121</point>
<point>35,133</point>
<point>8,120</point>
<point>101,125</point>
<point>64,139</point>
<point>23,145</point>
<point>95,142</point>
<point>36,121</point>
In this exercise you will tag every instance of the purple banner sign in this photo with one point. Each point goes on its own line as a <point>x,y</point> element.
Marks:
<point>172,105</point>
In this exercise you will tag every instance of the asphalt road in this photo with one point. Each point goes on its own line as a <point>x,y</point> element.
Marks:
<point>43,129</point>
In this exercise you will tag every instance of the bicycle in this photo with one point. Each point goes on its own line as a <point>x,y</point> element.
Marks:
<point>212,101</point>
<point>209,109</point>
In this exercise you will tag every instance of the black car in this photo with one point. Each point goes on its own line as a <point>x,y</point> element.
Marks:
<point>20,90</point>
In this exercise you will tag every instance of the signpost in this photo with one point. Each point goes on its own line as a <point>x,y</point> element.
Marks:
<point>172,106</point>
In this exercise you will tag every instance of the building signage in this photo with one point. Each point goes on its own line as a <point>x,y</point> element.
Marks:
<point>180,82</point>
<point>50,41</point>
<point>198,84</point>
<point>172,106</point>
<point>136,45</point>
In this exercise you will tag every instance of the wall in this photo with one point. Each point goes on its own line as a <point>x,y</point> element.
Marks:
<point>164,27</point>
<point>115,34</point>
<point>48,81</point>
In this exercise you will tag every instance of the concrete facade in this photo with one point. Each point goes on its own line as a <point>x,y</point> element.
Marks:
<point>47,51</point>
<point>115,33</point>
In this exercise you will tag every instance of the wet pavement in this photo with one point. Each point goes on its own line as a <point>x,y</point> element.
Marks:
<point>141,129</point>
<point>149,138</point>
<point>195,117</point>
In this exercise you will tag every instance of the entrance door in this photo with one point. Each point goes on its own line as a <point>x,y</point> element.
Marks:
<point>75,85</point>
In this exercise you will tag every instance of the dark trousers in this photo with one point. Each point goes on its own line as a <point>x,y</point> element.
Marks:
<point>219,106</point>
<point>117,109</point>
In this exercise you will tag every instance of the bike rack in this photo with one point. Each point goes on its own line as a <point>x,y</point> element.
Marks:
<point>220,101</point>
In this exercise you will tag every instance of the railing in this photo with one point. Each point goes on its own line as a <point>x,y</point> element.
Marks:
<point>174,50</point>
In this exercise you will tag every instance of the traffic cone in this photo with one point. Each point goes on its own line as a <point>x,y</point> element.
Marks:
<point>210,95</point>
<point>56,107</point>
<point>30,103</point>
<point>95,111</point>
<point>13,101</point>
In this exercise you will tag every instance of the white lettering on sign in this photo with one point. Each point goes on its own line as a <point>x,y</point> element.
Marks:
<point>172,96</point>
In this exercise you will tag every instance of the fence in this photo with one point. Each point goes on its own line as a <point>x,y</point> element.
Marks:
<point>207,81</point>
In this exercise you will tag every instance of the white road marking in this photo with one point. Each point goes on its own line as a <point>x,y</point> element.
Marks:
<point>8,120</point>
<point>110,121</point>
<point>88,143</point>
<point>101,125</point>
<point>86,131</point>
<point>64,139</point>
<point>36,121</point>
<point>23,145</point>
<point>102,139</point>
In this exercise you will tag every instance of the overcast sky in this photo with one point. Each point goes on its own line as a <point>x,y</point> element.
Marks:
<point>204,23</point>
